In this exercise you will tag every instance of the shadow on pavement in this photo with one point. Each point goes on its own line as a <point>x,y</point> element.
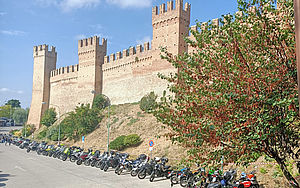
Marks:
<point>3,178</point>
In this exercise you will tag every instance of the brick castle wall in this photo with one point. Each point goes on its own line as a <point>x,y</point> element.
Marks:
<point>124,77</point>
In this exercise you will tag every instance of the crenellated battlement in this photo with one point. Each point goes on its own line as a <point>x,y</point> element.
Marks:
<point>127,53</point>
<point>42,49</point>
<point>64,70</point>
<point>91,43</point>
<point>178,7</point>
<point>161,12</point>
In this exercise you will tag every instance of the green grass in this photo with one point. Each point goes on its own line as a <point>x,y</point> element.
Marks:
<point>263,170</point>
<point>139,114</point>
<point>132,121</point>
<point>115,121</point>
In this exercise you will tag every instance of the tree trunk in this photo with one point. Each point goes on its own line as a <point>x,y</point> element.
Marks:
<point>286,173</point>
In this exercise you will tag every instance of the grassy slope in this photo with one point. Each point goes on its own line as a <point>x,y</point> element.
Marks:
<point>128,119</point>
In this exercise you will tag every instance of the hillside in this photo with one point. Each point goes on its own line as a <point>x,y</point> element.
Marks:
<point>129,119</point>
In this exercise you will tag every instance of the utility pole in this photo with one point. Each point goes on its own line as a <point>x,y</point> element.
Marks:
<point>297,30</point>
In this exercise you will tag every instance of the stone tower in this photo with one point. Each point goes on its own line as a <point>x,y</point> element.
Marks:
<point>170,26</point>
<point>91,57</point>
<point>44,62</point>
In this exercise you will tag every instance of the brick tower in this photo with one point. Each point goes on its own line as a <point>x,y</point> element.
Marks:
<point>170,26</point>
<point>91,57</point>
<point>44,62</point>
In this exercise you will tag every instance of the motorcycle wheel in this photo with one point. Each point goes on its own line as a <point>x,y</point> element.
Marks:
<point>174,179</point>
<point>97,164</point>
<point>152,177</point>
<point>54,155</point>
<point>133,173</point>
<point>79,162</point>
<point>50,154</point>
<point>183,181</point>
<point>120,171</point>
<point>28,150</point>
<point>64,157</point>
<point>39,152</point>
<point>102,166</point>
<point>105,168</point>
<point>142,174</point>
<point>93,163</point>
<point>72,159</point>
<point>87,162</point>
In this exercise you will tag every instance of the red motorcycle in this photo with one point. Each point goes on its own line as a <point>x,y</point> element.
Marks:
<point>247,180</point>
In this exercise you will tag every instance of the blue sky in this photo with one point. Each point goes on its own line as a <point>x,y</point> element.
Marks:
<point>27,23</point>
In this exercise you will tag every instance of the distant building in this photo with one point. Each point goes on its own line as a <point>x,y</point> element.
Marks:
<point>6,122</point>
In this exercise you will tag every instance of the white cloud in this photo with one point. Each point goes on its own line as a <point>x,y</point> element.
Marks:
<point>143,40</point>
<point>12,32</point>
<point>68,5</point>
<point>97,26</point>
<point>4,89</point>
<point>83,36</point>
<point>80,36</point>
<point>131,3</point>
<point>2,13</point>
<point>101,35</point>
<point>7,90</point>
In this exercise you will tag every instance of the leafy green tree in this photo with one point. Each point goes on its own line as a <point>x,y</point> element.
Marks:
<point>148,102</point>
<point>20,115</point>
<point>6,111</point>
<point>49,117</point>
<point>236,94</point>
<point>101,101</point>
<point>14,103</point>
<point>80,122</point>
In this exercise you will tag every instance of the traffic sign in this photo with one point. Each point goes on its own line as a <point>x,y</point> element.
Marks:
<point>82,139</point>
<point>151,143</point>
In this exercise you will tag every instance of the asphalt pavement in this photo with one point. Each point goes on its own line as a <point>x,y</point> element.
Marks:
<point>28,170</point>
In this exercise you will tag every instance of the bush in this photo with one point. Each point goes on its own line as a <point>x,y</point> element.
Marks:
<point>148,102</point>
<point>29,130</point>
<point>118,143</point>
<point>100,102</point>
<point>81,122</point>
<point>122,142</point>
<point>49,117</point>
<point>132,140</point>
<point>42,134</point>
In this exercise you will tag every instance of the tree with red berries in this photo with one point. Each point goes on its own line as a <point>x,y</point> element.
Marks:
<point>236,94</point>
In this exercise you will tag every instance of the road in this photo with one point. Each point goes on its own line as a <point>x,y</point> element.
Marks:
<point>7,129</point>
<point>21,169</point>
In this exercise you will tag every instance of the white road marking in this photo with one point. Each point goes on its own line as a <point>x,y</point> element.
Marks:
<point>20,168</point>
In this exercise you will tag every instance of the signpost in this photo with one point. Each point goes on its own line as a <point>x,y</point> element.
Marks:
<point>82,138</point>
<point>151,144</point>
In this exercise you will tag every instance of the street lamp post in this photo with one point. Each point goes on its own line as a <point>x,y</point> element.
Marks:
<point>58,113</point>
<point>108,127</point>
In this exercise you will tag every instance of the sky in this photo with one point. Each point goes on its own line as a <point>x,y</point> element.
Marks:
<point>61,23</point>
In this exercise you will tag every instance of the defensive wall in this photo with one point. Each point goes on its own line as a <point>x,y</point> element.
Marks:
<point>125,76</point>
